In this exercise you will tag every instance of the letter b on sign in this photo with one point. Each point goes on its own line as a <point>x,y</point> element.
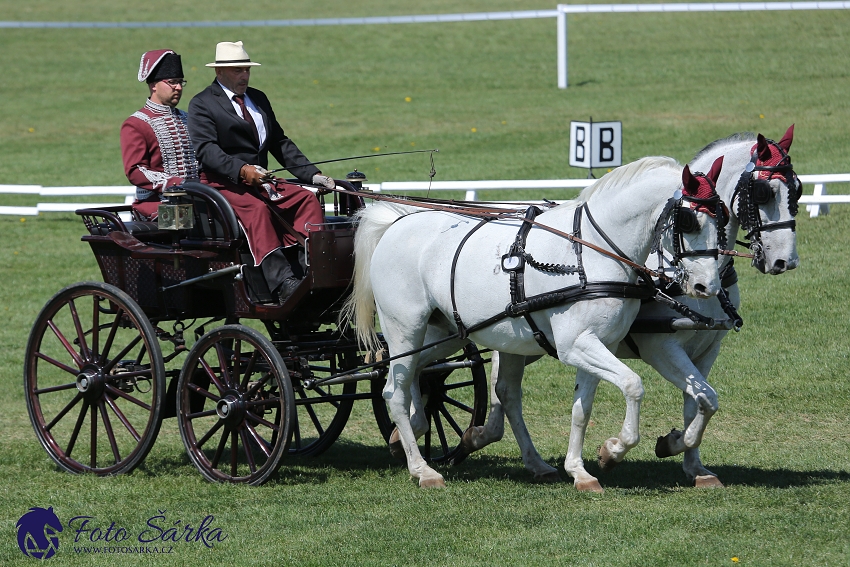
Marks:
<point>596,144</point>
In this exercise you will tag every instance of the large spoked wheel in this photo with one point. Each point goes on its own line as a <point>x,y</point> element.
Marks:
<point>322,410</point>
<point>235,406</point>
<point>94,379</point>
<point>455,399</point>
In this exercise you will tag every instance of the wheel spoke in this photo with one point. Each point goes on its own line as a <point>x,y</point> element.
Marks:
<point>441,434</point>
<point>109,433</point>
<point>93,453</point>
<point>108,368</point>
<point>68,347</point>
<point>249,370</point>
<point>209,434</point>
<point>81,336</point>
<point>264,445</point>
<point>219,451</point>
<point>224,364</point>
<point>456,385</point>
<point>77,427</point>
<point>249,455</point>
<point>122,418</point>
<point>260,421</point>
<point>65,410</point>
<point>206,393</point>
<point>212,375</point>
<point>57,364</point>
<point>234,453</point>
<point>116,392</point>
<point>451,420</point>
<point>95,326</point>
<point>315,419</point>
<point>457,404</point>
<point>237,362</point>
<point>51,389</point>
<point>107,346</point>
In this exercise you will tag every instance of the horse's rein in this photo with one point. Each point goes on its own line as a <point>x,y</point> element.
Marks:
<point>494,213</point>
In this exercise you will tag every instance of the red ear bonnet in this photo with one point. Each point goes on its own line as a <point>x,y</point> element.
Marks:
<point>701,187</point>
<point>771,154</point>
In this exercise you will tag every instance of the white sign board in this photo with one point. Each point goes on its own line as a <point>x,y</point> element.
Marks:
<point>596,144</point>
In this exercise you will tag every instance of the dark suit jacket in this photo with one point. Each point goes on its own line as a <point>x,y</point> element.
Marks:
<point>224,142</point>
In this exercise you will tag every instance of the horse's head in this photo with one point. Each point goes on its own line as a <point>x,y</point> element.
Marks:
<point>768,194</point>
<point>690,226</point>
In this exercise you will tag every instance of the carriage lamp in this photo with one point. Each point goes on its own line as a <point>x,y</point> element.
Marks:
<point>357,179</point>
<point>347,202</point>
<point>172,214</point>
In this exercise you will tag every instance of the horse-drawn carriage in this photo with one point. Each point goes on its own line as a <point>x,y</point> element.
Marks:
<point>98,385</point>
<point>102,369</point>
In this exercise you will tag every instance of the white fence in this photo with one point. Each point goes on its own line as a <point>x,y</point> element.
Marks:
<point>560,14</point>
<point>817,203</point>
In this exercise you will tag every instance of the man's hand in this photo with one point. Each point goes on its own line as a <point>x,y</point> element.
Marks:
<point>254,175</point>
<point>324,181</point>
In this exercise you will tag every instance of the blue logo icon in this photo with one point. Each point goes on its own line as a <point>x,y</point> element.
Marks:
<point>38,532</point>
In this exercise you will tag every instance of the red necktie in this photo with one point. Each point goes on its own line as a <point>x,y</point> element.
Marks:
<point>248,118</point>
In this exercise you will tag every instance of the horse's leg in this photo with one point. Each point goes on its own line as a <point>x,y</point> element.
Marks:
<point>692,464</point>
<point>585,392</point>
<point>403,336</point>
<point>479,436</point>
<point>509,391</point>
<point>589,355</point>
<point>673,363</point>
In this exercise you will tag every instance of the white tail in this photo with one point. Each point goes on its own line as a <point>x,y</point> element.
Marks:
<point>359,309</point>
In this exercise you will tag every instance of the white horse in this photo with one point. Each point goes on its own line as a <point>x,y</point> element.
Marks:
<point>429,273</point>
<point>766,197</point>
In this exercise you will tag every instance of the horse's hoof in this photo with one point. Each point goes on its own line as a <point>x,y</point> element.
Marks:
<point>466,448</point>
<point>662,446</point>
<point>605,459</point>
<point>707,481</point>
<point>589,486</point>
<point>549,477</point>
<point>432,482</point>
<point>396,448</point>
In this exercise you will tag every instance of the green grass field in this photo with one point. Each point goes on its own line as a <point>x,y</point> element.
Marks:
<point>676,81</point>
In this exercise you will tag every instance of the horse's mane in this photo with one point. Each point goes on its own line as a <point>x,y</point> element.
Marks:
<point>739,137</point>
<point>633,169</point>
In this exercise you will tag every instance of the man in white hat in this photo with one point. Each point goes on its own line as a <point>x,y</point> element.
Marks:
<point>233,130</point>
<point>155,145</point>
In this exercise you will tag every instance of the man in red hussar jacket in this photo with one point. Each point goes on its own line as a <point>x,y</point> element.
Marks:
<point>155,144</point>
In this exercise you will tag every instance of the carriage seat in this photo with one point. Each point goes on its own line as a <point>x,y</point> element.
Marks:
<point>214,217</point>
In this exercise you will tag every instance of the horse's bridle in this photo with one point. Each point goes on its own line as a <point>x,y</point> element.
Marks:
<point>752,192</point>
<point>682,219</point>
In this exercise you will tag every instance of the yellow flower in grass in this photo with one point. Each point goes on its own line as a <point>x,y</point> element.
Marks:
<point>735,559</point>
<point>475,130</point>
<point>376,149</point>
<point>761,115</point>
<point>407,99</point>
<point>31,130</point>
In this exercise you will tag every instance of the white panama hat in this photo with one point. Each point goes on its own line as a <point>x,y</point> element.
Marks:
<point>230,54</point>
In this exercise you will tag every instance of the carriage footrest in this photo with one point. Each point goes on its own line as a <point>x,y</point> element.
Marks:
<point>141,250</point>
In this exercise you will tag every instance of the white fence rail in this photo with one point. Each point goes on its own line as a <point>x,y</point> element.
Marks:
<point>817,203</point>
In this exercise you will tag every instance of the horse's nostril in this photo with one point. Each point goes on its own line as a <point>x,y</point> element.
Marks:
<point>779,266</point>
<point>700,288</point>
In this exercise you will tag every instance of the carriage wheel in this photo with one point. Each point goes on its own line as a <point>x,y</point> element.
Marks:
<point>235,406</point>
<point>94,380</point>
<point>321,413</point>
<point>455,401</point>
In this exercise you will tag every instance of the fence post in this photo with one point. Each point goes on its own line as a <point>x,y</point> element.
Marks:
<point>816,210</point>
<point>562,48</point>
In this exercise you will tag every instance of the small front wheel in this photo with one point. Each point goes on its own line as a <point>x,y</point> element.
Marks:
<point>235,406</point>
